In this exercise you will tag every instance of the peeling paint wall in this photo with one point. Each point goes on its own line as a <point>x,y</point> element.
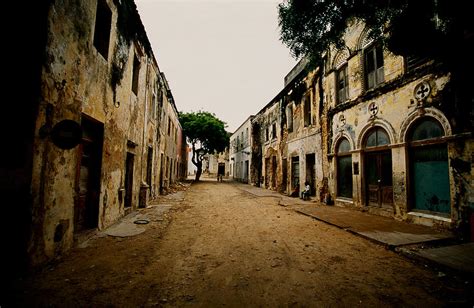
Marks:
<point>115,96</point>
<point>394,105</point>
<point>171,140</point>
<point>333,116</point>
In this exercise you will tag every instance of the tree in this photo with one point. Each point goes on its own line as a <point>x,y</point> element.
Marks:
<point>442,30</point>
<point>206,133</point>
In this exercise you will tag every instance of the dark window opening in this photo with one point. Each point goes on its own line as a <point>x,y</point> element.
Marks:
<point>103,22</point>
<point>344,169</point>
<point>136,71</point>
<point>374,66</point>
<point>412,62</point>
<point>307,111</point>
<point>274,131</point>
<point>342,85</point>
<point>266,134</point>
<point>289,118</point>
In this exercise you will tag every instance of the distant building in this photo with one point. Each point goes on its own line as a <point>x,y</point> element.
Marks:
<point>240,152</point>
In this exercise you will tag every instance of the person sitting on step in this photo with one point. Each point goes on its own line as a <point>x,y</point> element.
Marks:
<point>306,192</point>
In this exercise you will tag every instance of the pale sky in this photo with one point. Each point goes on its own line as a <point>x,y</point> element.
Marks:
<point>221,56</point>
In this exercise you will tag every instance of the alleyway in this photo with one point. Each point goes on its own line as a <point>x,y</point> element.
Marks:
<point>222,246</point>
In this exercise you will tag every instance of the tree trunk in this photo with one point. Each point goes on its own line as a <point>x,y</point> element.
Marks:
<point>198,171</point>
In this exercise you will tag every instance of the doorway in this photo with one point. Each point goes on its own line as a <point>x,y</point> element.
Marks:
<point>221,169</point>
<point>379,178</point>
<point>378,169</point>
<point>310,172</point>
<point>129,179</point>
<point>274,172</point>
<point>86,209</point>
<point>246,171</point>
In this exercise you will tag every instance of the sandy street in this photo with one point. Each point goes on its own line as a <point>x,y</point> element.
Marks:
<point>222,246</point>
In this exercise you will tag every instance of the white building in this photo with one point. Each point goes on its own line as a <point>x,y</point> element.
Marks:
<point>240,151</point>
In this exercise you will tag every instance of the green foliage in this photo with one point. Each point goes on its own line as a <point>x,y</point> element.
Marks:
<point>429,28</point>
<point>204,129</point>
<point>440,30</point>
<point>130,26</point>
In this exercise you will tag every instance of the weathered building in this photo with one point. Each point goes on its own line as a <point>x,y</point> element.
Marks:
<point>394,146</point>
<point>240,152</point>
<point>94,129</point>
<point>217,164</point>
<point>369,130</point>
<point>173,147</point>
<point>302,152</point>
<point>266,168</point>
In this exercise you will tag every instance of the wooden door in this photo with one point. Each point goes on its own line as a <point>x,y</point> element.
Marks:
<point>86,209</point>
<point>378,178</point>
<point>430,176</point>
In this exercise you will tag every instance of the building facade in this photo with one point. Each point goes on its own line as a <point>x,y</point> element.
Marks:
<point>217,164</point>
<point>97,123</point>
<point>393,144</point>
<point>240,152</point>
<point>369,130</point>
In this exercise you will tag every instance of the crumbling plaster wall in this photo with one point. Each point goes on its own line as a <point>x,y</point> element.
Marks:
<point>168,142</point>
<point>76,81</point>
<point>303,140</point>
<point>396,103</point>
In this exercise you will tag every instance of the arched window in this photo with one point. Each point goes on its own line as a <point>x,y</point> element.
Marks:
<point>377,137</point>
<point>344,169</point>
<point>344,146</point>
<point>426,129</point>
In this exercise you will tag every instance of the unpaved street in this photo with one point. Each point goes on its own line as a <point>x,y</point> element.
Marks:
<point>222,246</point>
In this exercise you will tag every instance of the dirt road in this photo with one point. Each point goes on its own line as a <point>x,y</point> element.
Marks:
<point>221,246</point>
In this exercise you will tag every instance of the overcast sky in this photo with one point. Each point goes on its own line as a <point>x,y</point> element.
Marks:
<point>221,56</point>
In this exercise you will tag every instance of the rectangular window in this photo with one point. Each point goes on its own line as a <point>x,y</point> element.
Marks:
<point>374,66</point>
<point>307,111</point>
<point>103,20</point>
<point>136,71</point>
<point>412,62</point>
<point>289,118</point>
<point>342,85</point>
<point>274,131</point>
<point>266,134</point>
<point>169,126</point>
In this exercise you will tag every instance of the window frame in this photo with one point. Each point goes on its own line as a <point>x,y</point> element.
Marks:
<point>102,29</point>
<point>376,76</point>
<point>342,93</point>
<point>135,74</point>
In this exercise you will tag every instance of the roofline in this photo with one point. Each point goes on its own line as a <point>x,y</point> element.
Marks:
<point>249,118</point>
